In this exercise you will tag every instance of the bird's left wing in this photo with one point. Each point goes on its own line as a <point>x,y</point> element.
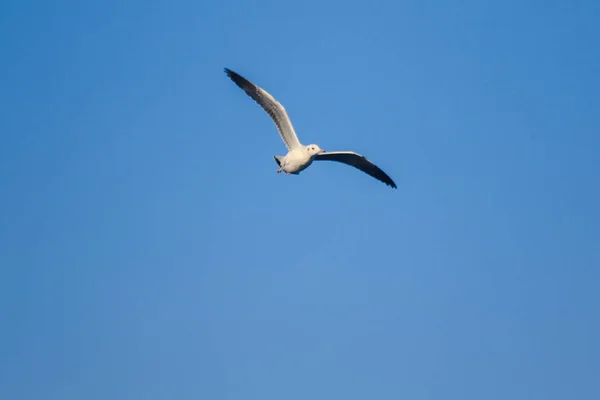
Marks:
<point>357,161</point>
<point>272,107</point>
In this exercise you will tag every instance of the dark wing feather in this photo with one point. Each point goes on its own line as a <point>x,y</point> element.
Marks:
<point>275,110</point>
<point>357,161</point>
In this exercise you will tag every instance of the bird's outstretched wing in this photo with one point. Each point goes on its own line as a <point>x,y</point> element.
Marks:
<point>357,161</point>
<point>271,106</point>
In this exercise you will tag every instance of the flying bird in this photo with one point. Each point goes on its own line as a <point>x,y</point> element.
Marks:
<point>299,156</point>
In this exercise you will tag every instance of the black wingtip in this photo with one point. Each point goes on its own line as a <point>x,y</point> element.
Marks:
<point>388,181</point>
<point>239,80</point>
<point>231,74</point>
<point>382,176</point>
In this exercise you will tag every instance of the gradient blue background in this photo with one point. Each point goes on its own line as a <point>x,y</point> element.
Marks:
<point>150,251</point>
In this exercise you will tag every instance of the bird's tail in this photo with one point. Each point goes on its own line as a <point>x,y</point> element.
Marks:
<point>278,159</point>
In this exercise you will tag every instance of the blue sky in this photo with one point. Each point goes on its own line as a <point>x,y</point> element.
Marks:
<point>149,250</point>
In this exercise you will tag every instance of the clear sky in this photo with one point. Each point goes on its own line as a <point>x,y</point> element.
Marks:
<point>148,249</point>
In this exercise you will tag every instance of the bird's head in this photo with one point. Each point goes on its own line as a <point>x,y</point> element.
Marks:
<point>313,149</point>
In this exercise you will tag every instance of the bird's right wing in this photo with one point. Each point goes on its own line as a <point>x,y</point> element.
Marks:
<point>357,161</point>
<point>271,106</point>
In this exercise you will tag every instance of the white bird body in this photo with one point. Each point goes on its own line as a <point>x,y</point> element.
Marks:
<point>299,157</point>
<point>295,161</point>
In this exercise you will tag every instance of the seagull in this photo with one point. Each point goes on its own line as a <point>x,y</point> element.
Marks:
<point>299,156</point>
